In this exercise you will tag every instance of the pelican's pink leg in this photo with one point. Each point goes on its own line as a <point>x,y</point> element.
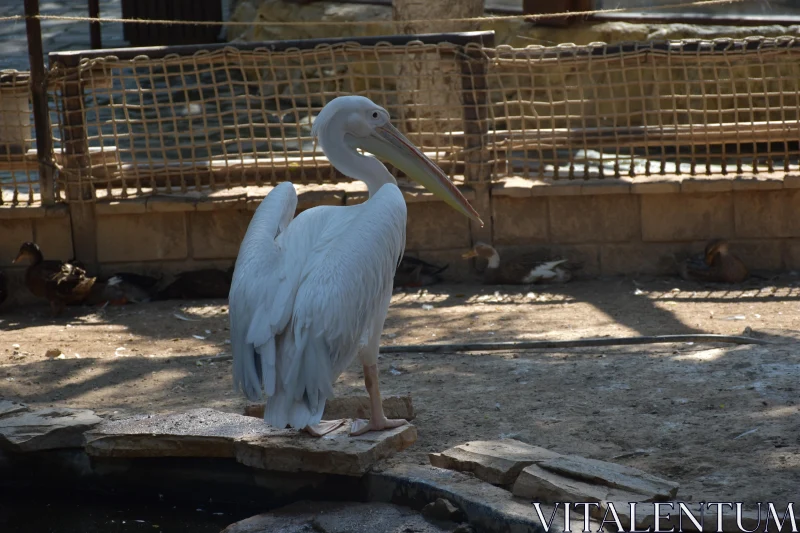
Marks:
<point>378,420</point>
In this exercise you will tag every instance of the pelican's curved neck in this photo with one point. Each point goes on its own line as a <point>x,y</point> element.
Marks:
<point>352,164</point>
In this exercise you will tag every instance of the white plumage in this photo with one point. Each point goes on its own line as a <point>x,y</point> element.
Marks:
<point>310,294</point>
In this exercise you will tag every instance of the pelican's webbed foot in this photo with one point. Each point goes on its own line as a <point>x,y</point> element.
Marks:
<point>360,426</point>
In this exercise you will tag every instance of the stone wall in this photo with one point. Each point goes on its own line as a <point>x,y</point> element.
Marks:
<point>612,226</point>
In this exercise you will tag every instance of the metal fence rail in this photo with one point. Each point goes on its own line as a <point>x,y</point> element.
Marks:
<point>133,122</point>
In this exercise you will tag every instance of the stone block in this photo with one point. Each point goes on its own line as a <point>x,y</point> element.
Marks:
<point>606,186</point>
<point>353,407</point>
<point>612,475</point>
<point>486,507</point>
<point>217,234</point>
<point>512,187</point>
<point>559,187</point>
<point>171,204</point>
<point>655,185</point>
<point>336,453</point>
<point>758,183</point>
<point>791,182</point>
<point>686,217</point>
<point>791,254</point>
<point>54,237</point>
<point>574,478</point>
<point>597,218</point>
<point>14,232</point>
<point>147,237</point>
<point>519,220</point>
<point>436,226</point>
<point>644,258</point>
<point>698,184</point>
<point>763,214</point>
<point>759,254</point>
<point>497,462</point>
<point>196,433</point>
<point>210,433</point>
<point>130,206</point>
<point>46,429</point>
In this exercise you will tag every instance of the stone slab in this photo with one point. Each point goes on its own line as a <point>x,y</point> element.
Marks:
<point>209,433</point>
<point>519,220</point>
<point>487,508</point>
<point>538,484</point>
<point>686,217</point>
<point>353,407</point>
<point>498,462</point>
<point>596,218</point>
<point>196,433</point>
<point>613,475</point>
<point>46,429</point>
<point>336,453</point>
<point>8,408</point>
<point>147,237</point>
<point>338,517</point>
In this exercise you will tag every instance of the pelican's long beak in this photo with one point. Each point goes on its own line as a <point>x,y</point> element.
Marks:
<point>388,143</point>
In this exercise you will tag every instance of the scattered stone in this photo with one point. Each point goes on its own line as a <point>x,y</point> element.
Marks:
<point>487,508</point>
<point>498,462</point>
<point>337,517</point>
<point>53,353</point>
<point>574,478</point>
<point>353,407</point>
<point>336,453</point>
<point>8,408</point>
<point>46,429</point>
<point>442,509</point>
<point>613,475</point>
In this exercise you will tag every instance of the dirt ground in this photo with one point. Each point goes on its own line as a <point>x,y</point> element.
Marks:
<point>722,420</point>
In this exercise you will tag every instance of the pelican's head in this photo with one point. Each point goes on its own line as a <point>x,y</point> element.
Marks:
<point>367,126</point>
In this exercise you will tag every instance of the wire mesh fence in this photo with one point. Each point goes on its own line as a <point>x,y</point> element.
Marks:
<point>719,107</point>
<point>201,119</point>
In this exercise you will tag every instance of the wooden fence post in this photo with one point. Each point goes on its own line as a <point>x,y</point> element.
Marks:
<point>477,171</point>
<point>41,112</point>
<point>77,169</point>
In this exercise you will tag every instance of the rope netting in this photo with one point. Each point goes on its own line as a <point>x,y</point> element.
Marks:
<point>235,117</point>
<point>19,173</point>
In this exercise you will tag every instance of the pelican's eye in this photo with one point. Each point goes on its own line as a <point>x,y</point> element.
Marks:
<point>374,114</point>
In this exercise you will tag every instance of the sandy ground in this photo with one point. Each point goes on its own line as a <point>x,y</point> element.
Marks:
<point>721,420</point>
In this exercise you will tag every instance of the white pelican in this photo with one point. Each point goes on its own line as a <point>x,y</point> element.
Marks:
<point>310,294</point>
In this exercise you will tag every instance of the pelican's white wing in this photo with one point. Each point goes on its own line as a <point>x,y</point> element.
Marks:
<point>304,303</point>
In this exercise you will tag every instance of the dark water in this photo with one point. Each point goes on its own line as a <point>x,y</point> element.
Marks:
<point>46,516</point>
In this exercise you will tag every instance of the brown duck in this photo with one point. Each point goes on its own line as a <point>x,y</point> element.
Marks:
<point>522,269</point>
<point>717,264</point>
<point>60,283</point>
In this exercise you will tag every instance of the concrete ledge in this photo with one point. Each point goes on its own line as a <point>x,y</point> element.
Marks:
<point>36,211</point>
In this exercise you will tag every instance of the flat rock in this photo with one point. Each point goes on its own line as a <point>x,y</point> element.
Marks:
<point>210,433</point>
<point>612,475</point>
<point>486,507</point>
<point>399,407</point>
<point>336,453</point>
<point>196,433</point>
<point>45,429</point>
<point>498,462</point>
<point>337,517</point>
<point>573,478</point>
<point>8,408</point>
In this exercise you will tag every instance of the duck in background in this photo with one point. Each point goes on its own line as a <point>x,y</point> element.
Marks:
<point>61,283</point>
<point>716,264</point>
<point>413,272</point>
<point>123,288</point>
<point>520,269</point>
<point>198,284</point>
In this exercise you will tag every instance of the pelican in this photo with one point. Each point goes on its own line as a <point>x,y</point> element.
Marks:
<point>310,294</point>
